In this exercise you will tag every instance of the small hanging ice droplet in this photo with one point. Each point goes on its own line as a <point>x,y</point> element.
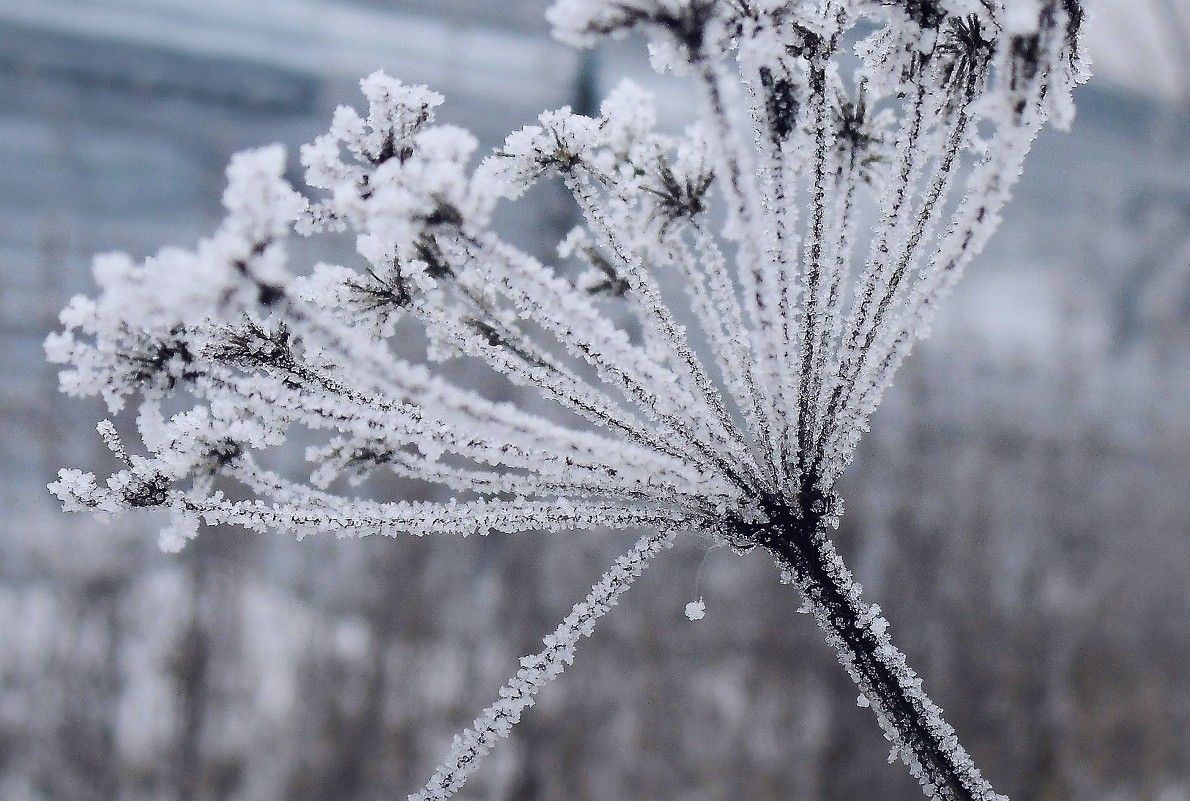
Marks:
<point>696,610</point>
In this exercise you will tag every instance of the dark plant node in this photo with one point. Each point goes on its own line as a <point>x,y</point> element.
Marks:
<point>614,284</point>
<point>965,53</point>
<point>857,138</point>
<point>144,492</point>
<point>430,252</point>
<point>1026,59</point>
<point>780,104</point>
<point>380,293</point>
<point>679,198</point>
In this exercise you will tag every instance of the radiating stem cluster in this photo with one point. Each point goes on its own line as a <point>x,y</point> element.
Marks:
<point>713,338</point>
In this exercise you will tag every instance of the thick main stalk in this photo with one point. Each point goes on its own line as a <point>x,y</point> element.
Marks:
<point>922,739</point>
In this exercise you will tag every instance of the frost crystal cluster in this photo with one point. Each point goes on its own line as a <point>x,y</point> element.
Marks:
<point>714,335</point>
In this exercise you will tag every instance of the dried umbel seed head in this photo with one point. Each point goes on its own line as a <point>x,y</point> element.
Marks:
<point>714,365</point>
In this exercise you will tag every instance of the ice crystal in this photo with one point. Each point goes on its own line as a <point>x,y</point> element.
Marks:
<point>765,326</point>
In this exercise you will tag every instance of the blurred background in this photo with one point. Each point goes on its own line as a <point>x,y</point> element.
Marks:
<point>1021,509</point>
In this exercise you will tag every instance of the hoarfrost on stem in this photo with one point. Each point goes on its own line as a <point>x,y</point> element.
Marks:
<point>737,423</point>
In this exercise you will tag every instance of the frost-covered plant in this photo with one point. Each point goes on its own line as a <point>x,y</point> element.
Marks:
<point>718,333</point>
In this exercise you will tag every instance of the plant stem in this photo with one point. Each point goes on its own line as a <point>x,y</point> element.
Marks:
<point>914,723</point>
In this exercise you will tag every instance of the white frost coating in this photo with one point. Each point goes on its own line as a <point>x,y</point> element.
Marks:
<point>711,372</point>
<point>495,722</point>
<point>1021,16</point>
<point>584,22</point>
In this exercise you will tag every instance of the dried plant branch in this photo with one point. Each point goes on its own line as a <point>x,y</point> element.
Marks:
<point>738,424</point>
